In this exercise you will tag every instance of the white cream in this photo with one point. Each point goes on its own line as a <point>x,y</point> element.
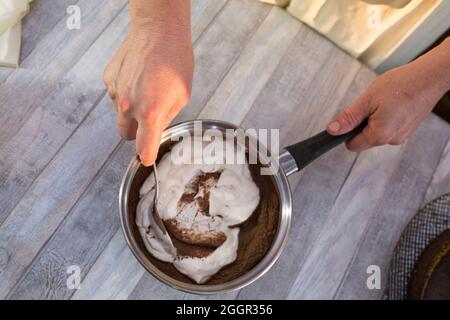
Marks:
<point>232,201</point>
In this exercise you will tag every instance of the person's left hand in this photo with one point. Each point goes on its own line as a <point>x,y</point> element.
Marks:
<point>394,104</point>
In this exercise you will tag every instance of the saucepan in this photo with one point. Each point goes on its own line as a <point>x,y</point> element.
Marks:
<point>292,159</point>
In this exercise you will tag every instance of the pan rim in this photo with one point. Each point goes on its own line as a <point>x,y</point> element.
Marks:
<point>263,266</point>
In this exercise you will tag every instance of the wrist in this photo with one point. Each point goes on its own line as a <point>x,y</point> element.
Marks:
<point>160,15</point>
<point>434,68</point>
<point>445,70</point>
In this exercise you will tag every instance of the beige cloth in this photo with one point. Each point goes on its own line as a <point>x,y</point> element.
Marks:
<point>11,13</point>
<point>368,30</point>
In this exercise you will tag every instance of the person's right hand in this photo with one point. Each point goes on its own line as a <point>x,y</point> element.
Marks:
<point>149,80</point>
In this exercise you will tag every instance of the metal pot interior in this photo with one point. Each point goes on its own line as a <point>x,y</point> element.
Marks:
<point>129,198</point>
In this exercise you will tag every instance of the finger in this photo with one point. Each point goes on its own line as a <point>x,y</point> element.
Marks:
<point>365,140</point>
<point>173,112</point>
<point>148,139</point>
<point>126,126</point>
<point>112,69</point>
<point>350,118</point>
<point>109,74</point>
<point>112,91</point>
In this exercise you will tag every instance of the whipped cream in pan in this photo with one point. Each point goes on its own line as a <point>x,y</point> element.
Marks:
<point>202,203</point>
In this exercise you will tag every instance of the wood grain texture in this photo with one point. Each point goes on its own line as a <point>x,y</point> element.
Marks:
<point>49,62</point>
<point>82,236</point>
<point>238,90</point>
<point>203,13</point>
<point>440,184</point>
<point>316,188</point>
<point>262,115</point>
<point>104,282</point>
<point>402,198</point>
<point>53,260</point>
<point>40,21</point>
<point>5,73</point>
<point>35,26</point>
<point>379,197</point>
<point>50,125</point>
<point>257,67</point>
<point>218,49</point>
<point>54,193</point>
<point>148,287</point>
<point>337,238</point>
<point>214,65</point>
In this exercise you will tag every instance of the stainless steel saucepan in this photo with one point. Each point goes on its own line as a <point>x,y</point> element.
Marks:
<point>291,159</point>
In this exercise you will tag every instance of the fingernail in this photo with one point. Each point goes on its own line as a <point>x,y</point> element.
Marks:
<point>145,163</point>
<point>334,126</point>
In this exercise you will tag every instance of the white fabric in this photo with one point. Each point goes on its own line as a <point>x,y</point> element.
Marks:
<point>369,30</point>
<point>11,14</point>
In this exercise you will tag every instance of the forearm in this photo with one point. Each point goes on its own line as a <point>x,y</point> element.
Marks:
<point>433,68</point>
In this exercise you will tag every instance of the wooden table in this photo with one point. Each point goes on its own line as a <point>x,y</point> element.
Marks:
<point>61,160</point>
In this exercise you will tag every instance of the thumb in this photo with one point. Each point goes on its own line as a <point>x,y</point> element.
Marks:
<point>350,118</point>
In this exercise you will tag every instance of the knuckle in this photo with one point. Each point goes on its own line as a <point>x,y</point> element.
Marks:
<point>382,137</point>
<point>184,96</point>
<point>111,93</point>
<point>351,146</point>
<point>184,99</point>
<point>349,117</point>
<point>148,113</point>
<point>123,105</point>
<point>398,141</point>
<point>107,77</point>
<point>395,142</point>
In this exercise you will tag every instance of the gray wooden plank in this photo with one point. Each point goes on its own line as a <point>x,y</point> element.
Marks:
<point>54,192</point>
<point>340,217</point>
<point>54,258</point>
<point>41,19</point>
<point>440,184</point>
<point>373,177</point>
<point>219,47</point>
<point>85,232</point>
<point>264,106</point>
<point>49,62</point>
<point>345,70</point>
<point>149,288</point>
<point>401,200</point>
<point>104,282</point>
<point>326,262</point>
<point>304,111</point>
<point>202,13</point>
<point>43,16</point>
<point>210,63</point>
<point>247,77</point>
<point>5,73</point>
<point>25,155</point>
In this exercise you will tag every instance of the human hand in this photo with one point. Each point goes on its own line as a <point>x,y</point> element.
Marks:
<point>149,80</point>
<point>394,104</point>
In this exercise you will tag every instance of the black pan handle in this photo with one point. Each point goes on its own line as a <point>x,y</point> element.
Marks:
<point>306,151</point>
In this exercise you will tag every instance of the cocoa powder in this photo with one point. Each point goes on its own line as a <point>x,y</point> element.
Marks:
<point>255,237</point>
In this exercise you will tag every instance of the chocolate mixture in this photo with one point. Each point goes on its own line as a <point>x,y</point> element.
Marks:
<point>197,191</point>
<point>255,237</point>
